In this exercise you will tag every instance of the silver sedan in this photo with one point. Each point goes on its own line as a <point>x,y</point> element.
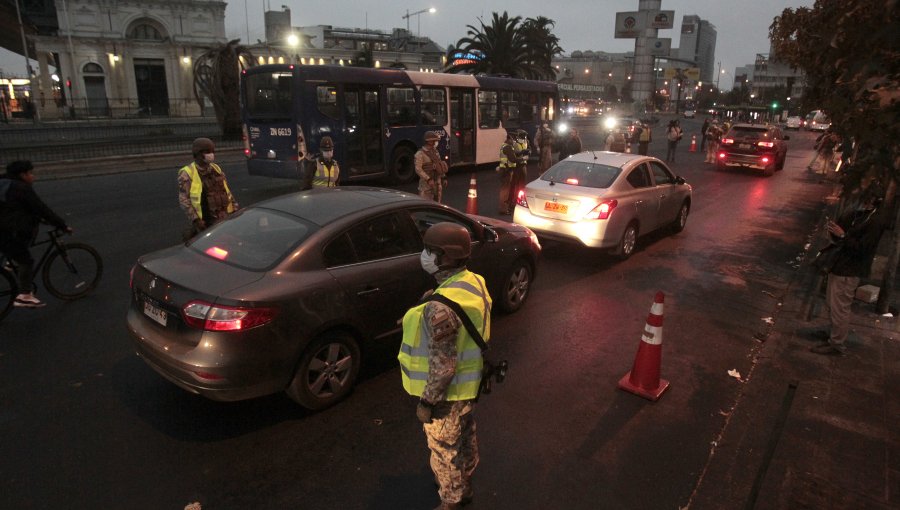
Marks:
<point>604,200</point>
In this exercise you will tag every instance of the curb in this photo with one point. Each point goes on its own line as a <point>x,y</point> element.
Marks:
<point>70,169</point>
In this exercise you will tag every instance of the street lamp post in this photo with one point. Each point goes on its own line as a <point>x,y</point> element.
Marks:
<point>418,13</point>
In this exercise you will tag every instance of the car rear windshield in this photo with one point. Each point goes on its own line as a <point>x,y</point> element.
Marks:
<point>256,239</point>
<point>749,133</point>
<point>577,173</point>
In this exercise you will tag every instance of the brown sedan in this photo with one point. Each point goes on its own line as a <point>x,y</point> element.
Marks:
<point>282,296</point>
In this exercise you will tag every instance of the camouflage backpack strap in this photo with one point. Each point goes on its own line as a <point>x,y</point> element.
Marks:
<point>467,322</point>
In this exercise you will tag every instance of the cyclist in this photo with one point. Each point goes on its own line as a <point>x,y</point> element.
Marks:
<point>21,211</point>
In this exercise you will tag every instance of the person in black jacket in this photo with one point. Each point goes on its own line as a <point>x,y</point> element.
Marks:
<point>856,234</point>
<point>21,211</point>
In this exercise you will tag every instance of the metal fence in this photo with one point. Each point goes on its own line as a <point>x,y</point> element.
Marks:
<point>108,108</point>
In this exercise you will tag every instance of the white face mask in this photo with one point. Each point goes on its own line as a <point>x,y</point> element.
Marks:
<point>327,154</point>
<point>209,157</point>
<point>429,261</point>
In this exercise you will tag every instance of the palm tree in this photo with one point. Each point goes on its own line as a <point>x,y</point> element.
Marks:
<point>217,76</point>
<point>541,44</point>
<point>502,45</point>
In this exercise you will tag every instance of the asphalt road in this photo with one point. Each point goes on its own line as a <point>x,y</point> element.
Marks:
<point>86,424</point>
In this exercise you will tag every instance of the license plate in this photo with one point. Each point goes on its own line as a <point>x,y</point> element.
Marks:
<point>744,146</point>
<point>556,207</point>
<point>155,313</point>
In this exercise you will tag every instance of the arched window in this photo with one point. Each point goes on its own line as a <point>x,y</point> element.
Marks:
<point>145,32</point>
<point>92,68</point>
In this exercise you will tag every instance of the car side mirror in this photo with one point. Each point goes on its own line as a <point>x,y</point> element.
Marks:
<point>679,180</point>
<point>489,235</point>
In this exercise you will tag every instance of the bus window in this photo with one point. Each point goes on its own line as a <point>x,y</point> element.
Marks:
<point>268,96</point>
<point>401,106</point>
<point>528,106</point>
<point>434,107</point>
<point>510,108</point>
<point>326,101</point>
<point>488,109</point>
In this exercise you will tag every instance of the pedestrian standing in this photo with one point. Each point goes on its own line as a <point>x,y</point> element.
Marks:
<point>856,235</point>
<point>441,363</point>
<point>544,140</point>
<point>322,171</point>
<point>711,137</point>
<point>203,192</point>
<point>506,169</point>
<point>645,136</point>
<point>570,145</point>
<point>703,129</point>
<point>520,174</point>
<point>21,211</point>
<point>431,169</point>
<point>673,136</point>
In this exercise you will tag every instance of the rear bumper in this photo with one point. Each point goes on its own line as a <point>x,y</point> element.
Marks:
<point>589,233</point>
<point>747,160</point>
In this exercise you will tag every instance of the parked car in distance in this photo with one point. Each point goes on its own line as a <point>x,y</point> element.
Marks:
<point>793,122</point>
<point>604,200</point>
<point>817,121</point>
<point>761,147</point>
<point>283,295</point>
<point>689,114</point>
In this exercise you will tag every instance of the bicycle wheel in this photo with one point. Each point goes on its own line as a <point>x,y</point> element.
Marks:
<point>72,273</point>
<point>8,292</point>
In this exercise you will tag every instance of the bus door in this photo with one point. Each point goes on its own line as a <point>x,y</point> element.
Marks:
<point>462,125</point>
<point>362,130</point>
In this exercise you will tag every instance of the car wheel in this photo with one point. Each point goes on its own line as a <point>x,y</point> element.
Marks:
<point>769,171</point>
<point>403,168</point>
<point>628,242</point>
<point>681,219</point>
<point>781,162</point>
<point>516,286</point>
<point>326,372</point>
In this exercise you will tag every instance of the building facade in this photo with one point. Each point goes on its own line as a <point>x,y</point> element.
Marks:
<point>698,44</point>
<point>594,75</point>
<point>119,58</point>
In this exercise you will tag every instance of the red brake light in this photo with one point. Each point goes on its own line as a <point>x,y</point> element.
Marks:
<point>727,141</point>
<point>766,144</point>
<point>722,155</point>
<point>765,159</point>
<point>520,198</point>
<point>202,315</point>
<point>602,211</point>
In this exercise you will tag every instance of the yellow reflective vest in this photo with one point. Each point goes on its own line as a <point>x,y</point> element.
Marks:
<point>326,176</point>
<point>197,187</point>
<point>504,161</point>
<point>469,290</point>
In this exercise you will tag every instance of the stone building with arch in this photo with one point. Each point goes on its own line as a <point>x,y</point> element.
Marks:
<point>124,58</point>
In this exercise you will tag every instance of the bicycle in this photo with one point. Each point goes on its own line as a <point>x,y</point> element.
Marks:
<point>68,271</point>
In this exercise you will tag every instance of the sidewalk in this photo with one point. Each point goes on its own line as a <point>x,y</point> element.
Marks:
<point>124,164</point>
<point>810,431</point>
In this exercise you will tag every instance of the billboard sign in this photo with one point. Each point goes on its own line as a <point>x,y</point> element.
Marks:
<point>659,47</point>
<point>661,19</point>
<point>629,25</point>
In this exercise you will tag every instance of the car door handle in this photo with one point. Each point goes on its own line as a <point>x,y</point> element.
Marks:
<point>368,291</point>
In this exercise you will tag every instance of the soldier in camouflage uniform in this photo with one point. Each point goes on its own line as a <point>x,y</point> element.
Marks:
<point>441,363</point>
<point>203,189</point>
<point>432,171</point>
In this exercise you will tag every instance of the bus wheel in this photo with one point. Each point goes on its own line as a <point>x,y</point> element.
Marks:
<point>403,168</point>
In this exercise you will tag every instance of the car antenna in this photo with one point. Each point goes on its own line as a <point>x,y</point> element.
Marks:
<point>594,154</point>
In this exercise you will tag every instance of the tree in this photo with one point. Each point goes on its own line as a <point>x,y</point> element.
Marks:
<point>850,53</point>
<point>217,76</point>
<point>510,46</point>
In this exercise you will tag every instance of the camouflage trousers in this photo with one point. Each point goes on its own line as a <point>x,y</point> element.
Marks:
<point>454,449</point>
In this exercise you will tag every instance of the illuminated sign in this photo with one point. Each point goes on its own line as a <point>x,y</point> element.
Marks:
<point>461,58</point>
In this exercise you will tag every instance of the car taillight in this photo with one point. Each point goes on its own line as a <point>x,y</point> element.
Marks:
<point>723,155</point>
<point>520,198</point>
<point>727,141</point>
<point>246,139</point>
<point>765,159</point>
<point>209,317</point>
<point>602,211</point>
<point>766,144</point>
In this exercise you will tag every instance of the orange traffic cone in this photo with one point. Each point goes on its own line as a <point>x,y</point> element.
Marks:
<point>472,199</point>
<point>643,380</point>
<point>693,143</point>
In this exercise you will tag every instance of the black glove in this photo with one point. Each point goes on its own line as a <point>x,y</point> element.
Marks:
<point>423,411</point>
